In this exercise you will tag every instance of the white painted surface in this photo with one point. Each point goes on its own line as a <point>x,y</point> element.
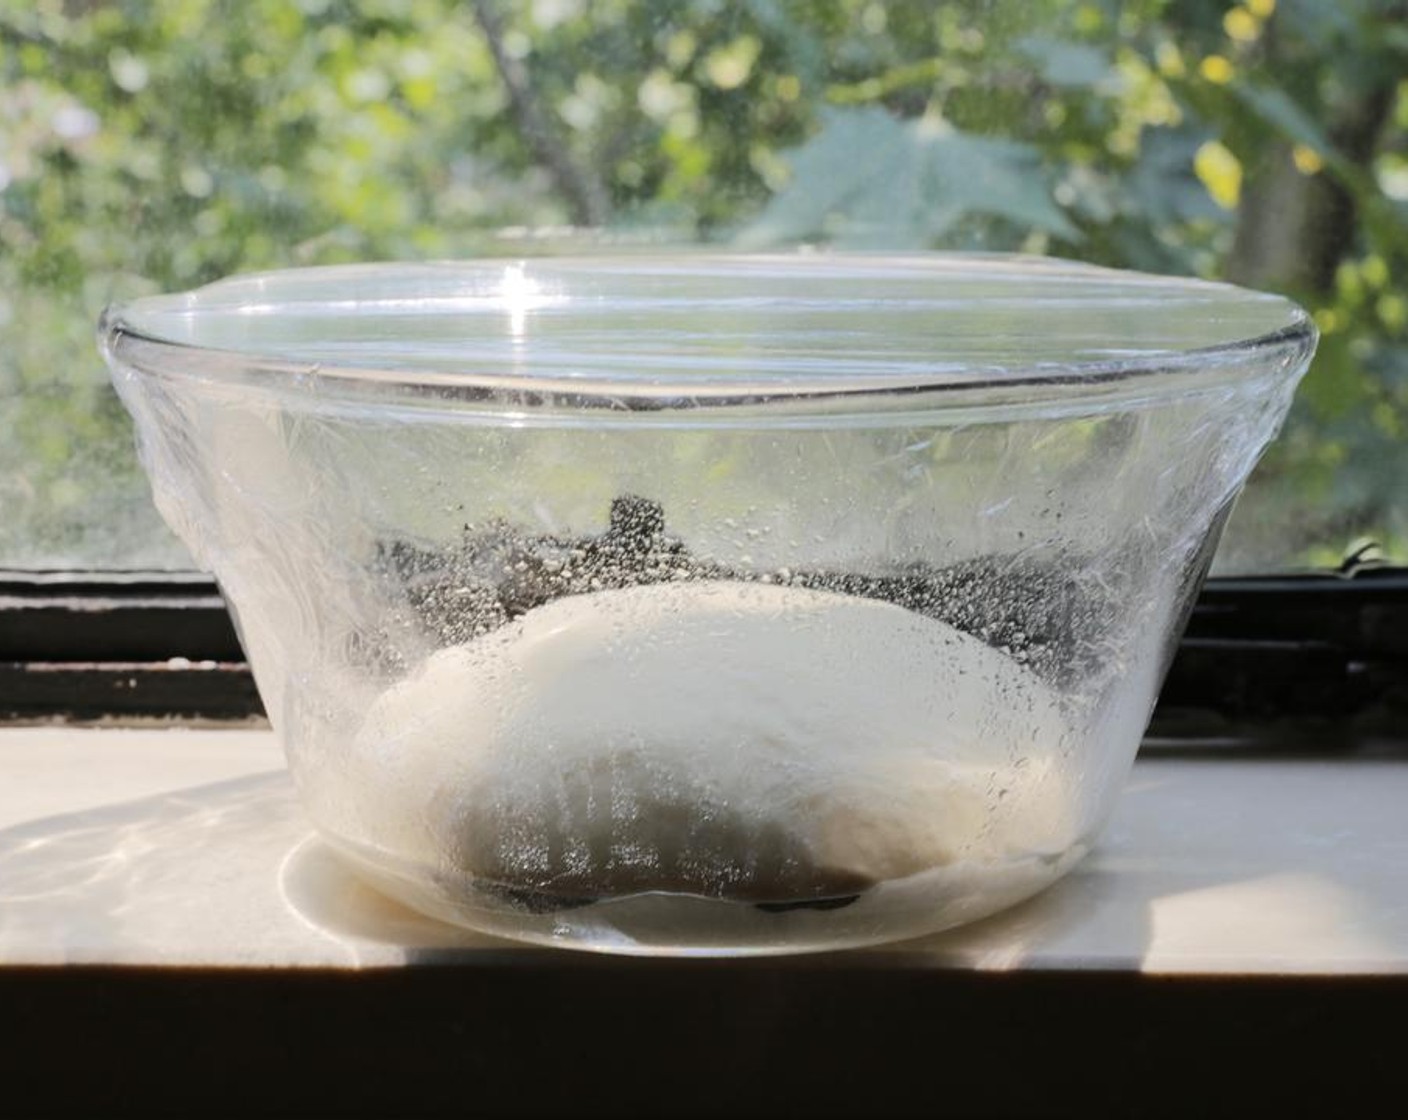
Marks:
<point>188,847</point>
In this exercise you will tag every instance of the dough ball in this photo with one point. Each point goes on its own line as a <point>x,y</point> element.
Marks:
<point>733,740</point>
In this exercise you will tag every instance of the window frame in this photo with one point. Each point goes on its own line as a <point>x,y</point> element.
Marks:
<point>87,646</point>
<point>1313,661</point>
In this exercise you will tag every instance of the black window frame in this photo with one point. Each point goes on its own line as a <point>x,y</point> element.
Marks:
<point>1303,662</point>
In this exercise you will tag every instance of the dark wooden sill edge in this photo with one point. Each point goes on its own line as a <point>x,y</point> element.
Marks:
<point>78,692</point>
<point>627,1037</point>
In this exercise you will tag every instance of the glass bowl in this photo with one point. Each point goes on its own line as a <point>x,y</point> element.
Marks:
<point>707,603</point>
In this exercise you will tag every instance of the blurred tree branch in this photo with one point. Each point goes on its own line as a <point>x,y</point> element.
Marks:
<point>1295,227</point>
<point>580,185</point>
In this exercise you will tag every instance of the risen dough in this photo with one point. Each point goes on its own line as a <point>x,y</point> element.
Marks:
<point>734,740</point>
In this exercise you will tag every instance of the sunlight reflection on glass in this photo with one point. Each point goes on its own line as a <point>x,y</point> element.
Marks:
<point>520,294</point>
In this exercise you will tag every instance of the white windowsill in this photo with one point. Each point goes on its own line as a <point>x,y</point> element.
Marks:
<point>181,847</point>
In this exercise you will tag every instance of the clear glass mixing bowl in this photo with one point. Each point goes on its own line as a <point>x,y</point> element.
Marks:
<point>707,603</point>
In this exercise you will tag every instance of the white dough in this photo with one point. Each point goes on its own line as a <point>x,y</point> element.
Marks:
<point>736,740</point>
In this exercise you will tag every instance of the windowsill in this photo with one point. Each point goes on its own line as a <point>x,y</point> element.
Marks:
<point>181,847</point>
<point>166,914</point>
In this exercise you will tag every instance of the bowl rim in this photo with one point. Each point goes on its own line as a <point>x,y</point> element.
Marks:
<point>129,343</point>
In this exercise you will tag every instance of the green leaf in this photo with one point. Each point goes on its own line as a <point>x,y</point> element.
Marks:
<point>867,179</point>
<point>1063,63</point>
<point>830,173</point>
<point>1276,108</point>
<point>1162,189</point>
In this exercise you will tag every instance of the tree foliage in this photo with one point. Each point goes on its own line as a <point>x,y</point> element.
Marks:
<point>159,144</point>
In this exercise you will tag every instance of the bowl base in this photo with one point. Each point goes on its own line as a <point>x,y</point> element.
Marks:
<point>659,923</point>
